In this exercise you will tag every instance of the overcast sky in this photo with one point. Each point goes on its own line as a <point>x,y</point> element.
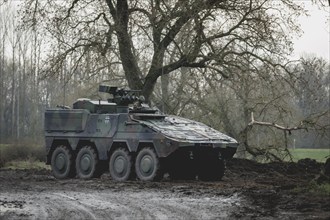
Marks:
<point>316,36</point>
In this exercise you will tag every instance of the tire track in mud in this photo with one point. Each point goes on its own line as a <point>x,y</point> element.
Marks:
<point>248,190</point>
<point>107,204</point>
<point>46,206</point>
<point>71,206</point>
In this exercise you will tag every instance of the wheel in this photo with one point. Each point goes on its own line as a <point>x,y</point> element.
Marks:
<point>86,163</point>
<point>120,165</point>
<point>182,167</point>
<point>62,163</point>
<point>182,173</point>
<point>212,169</point>
<point>147,165</point>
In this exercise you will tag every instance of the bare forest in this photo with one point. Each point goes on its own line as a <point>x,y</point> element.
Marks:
<point>225,63</point>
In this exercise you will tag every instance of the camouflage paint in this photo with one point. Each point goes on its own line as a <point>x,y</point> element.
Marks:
<point>106,124</point>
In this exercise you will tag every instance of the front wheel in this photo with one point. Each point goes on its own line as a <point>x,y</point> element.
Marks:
<point>147,165</point>
<point>120,165</point>
<point>86,163</point>
<point>62,163</point>
<point>182,167</point>
<point>211,170</point>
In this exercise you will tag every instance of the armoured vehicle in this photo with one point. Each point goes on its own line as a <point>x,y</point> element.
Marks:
<point>131,140</point>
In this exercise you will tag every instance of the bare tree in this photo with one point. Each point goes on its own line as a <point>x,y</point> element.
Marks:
<point>278,123</point>
<point>3,31</point>
<point>220,34</point>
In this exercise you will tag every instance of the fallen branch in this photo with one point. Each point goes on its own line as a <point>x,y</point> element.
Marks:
<point>289,129</point>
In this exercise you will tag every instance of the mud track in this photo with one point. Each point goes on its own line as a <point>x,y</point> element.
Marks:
<point>248,190</point>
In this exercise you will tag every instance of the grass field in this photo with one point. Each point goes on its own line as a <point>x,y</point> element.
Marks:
<point>319,155</point>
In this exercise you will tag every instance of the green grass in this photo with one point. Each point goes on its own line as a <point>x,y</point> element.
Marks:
<point>24,151</point>
<point>319,155</point>
<point>314,188</point>
<point>22,156</point>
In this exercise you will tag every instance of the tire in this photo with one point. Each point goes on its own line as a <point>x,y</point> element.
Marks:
<point>87,163</point>
<point>212,169</point>
<point>182,167</point>
<point>182,174</point>
<point>120,165</point>
<point>147,165</point>
<point>62,163</point>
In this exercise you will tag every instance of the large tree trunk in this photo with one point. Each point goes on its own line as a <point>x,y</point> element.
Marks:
<point>13,88</point>
<point>130,66</point>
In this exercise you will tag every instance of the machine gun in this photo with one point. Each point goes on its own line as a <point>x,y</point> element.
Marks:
<point>122,97</point>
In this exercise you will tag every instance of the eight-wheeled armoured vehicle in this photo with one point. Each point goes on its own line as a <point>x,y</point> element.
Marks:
<point>131,140</point>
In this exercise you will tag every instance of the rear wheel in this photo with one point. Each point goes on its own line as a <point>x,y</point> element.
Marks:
<point>147,165</point>
<point>120,165</point>
<point>86,163</point>
<point>62,163</point>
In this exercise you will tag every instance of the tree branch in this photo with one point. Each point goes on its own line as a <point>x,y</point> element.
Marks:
<point>269,124</point>
<point>70,9</point>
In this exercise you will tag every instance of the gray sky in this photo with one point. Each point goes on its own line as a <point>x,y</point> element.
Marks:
<point>316,36</point>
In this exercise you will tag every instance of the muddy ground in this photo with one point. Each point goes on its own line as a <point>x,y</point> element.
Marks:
<point>248,190</point>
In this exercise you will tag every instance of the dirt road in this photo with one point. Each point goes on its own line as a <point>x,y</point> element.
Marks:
<point>248,190</point>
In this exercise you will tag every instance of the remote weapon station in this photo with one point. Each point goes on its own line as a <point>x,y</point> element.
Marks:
<point>131,140</point>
